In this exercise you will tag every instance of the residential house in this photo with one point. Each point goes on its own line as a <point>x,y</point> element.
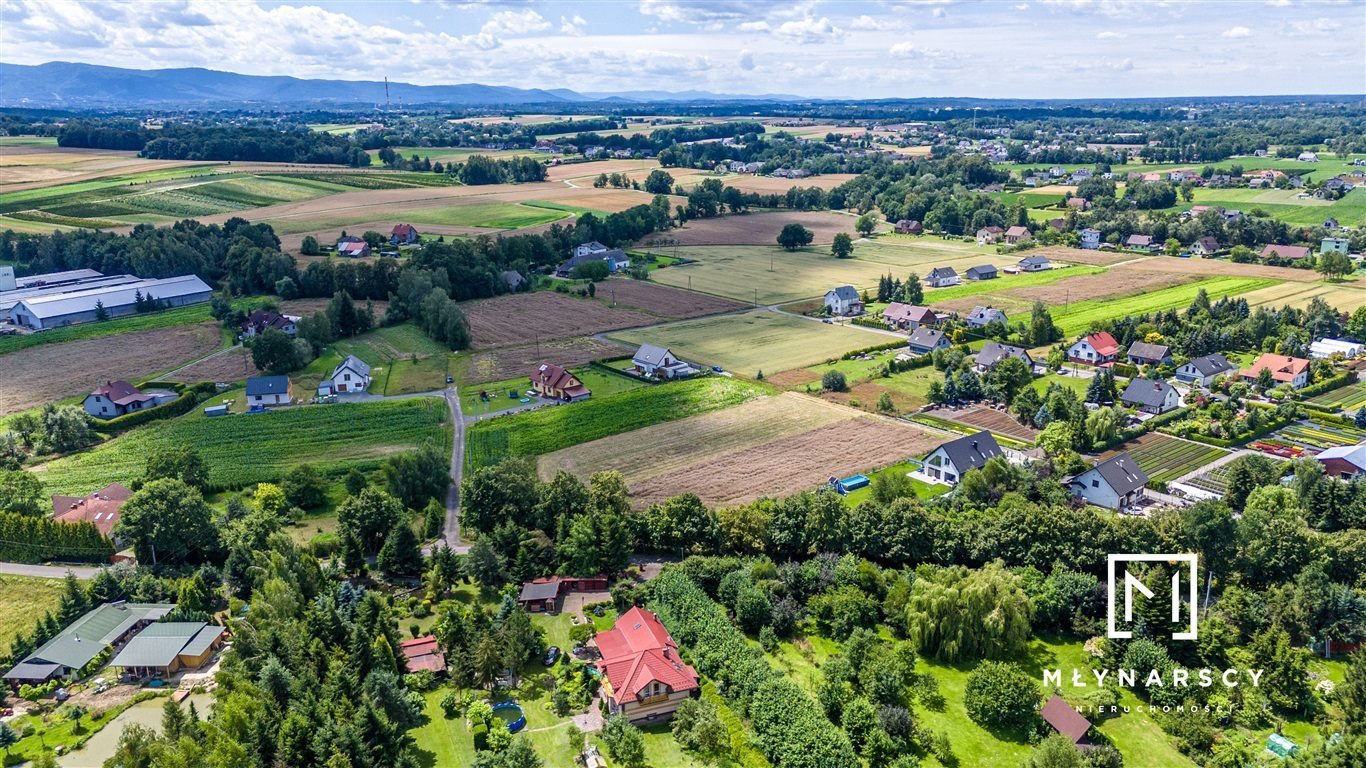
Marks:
<point>1139,241</point>
<point>1287,252</point>
<point>1034,264</point>
<point>981,316</point>
<point>117,398</point>
<point>100,508</point>
<point>643,677</point>
<point>942,277</point>
<point>1078,203</point>
<point>1308,157</point>
<point>1330,223</point>
<point>513,280</point>
<point>994,352</point>
<point>403,234</point>
<point>616,259</point>
<point>261,319</point>
<point>269,390</point>
<point>103,628</point>
<point>589,248</point>
<point>1090,239</point>
<point>1323,349</point>
<point>990,235</point>
<point>553,382</point>
<point>350,375</point>
<point>983,272</point>
<point>1143,353</point>
<point>1203,370</point>
<point>1345,462</point>
<point>423,654</point>
<point>843,300</point>
<point>1334,245</point>
<point>352,246</point>
<point>1059,224</point>
<point>654,362</point>
<point>1095,349</point>
<point>1151,396</point>
<point>1205,246</point>
<point>1284,370</point>
<point>905,317</point>
<point>909,227</point>
<point>542,594</point>
<point>1116,483</point>
<point>167,647</point>
<point>1017,235</point>
<point>927,340</point>
<point>950,461</point>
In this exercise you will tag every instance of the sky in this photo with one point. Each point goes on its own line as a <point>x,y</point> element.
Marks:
<point>871,49</point>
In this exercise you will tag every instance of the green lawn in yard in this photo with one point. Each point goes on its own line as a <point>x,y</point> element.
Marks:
<point>600,383</point>
<point>1079,386</point>
<point>24,600</point>
<point>426,374</point>
<point>923,490</point>
<point>914,384</point>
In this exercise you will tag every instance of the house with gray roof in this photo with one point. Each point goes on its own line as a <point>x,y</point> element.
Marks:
<point>107,626</point>
<point>1034,264</point>
<point>843,301</point>
<point>165,648</point>
<point>948,462</point>
<point>926,340</point>
<point>1116,483</point>
<point>352,374</point>
<point>655,362</point>
<point>1143,353</point>
<point>981,272</point>
<point>942,277</point>
<point>1151,396</point>
<point>269,390</point>
<point>994,352</point>
<point>1203,370</point>
<point>981,316</point>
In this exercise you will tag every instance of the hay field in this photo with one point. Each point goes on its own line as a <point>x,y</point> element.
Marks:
<point>774,184</point>
<point>763,228</point>
<point>522,318</point>
<point>663,301</point>
<point>484,366</point>
<point>769,447</point>
<point>755,341</point>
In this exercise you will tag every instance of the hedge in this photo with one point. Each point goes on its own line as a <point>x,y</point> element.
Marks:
<point>876,348</point>
<point>188,399</point>
<point>1327,385</point>
<point>601,365</point>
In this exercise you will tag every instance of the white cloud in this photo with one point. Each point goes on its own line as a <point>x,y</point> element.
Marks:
<point>697,11</point>
<point>903,51</point>
<point>1236,32</point>
<point>746,61</point>
<point>573,27</point>
<point>753,26</point>
<point>1278,3</point>
<point>1022,6</point>
<point>1311,27</point>
<point>515,23</point>
<point>1107,35</point>
<point>809,30</point>
<point>866,22</point>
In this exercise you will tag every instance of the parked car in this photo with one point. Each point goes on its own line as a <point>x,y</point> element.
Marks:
<point>552,655</point>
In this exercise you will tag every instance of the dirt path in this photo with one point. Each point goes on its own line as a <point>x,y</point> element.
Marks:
<point>452,530</point>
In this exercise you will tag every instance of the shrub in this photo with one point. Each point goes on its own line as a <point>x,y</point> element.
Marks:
<point>834,381</point>
<point>1000,694</point>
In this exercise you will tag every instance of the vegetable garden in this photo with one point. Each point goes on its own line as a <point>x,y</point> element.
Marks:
<point>1165,458</point>
<point>1216,480</point>
<point>1348,398</point>
<point>1319,436</point>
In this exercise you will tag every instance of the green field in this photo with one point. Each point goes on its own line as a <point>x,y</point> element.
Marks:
<point>1077,317</point>
<point>243,449</point>
<point>599,382</point>
<point>484,215</point>
<point>1348,398</point>
<point>551,428</point>
<point>1008,282</point>
<point>1164,458</point>
<point>923,490</point>
<point>28,141</point>
<point>23,602</point>
<point>756,341</point>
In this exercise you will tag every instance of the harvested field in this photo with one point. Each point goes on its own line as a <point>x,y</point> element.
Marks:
<point>230,365</point>
<point>36,375</point>
<point>591,170</point>
<point>769,447</point>
<point>608,200</point>
<point>1080,256</point>
<point>1119,281</point>
<point>990,419</point>
<point>773,184</point>
<point>664,301</point>
<point>507,362</point>
<point>527,317</point>
<point>1216,267</point>
<point>761,228</point>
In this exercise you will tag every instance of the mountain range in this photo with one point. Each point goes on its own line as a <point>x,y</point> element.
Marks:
<point>68,84</point>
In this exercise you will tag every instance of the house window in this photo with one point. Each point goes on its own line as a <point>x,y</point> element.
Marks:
<point>346,377</point>
<point>1095,483</point>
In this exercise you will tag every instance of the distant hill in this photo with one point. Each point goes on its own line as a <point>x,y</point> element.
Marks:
<point>69,84</point>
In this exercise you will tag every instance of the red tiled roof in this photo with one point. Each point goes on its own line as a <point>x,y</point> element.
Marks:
<point>1282,368</point>
<point>101,507</point>
<point>423,653</point>
<point>1103,343</point>
<point>550,376</point>
<point>637,651</point>
<point>121,392</point>
<point>1285,251</point>
<point>403,230</point>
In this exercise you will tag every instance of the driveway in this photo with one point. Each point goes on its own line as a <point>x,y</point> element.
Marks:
<point>48,571</point>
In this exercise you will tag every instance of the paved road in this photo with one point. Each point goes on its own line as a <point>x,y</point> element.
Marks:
<point>48,571</point>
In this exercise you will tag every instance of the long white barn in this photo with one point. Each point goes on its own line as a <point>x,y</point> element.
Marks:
<point>54,311</point>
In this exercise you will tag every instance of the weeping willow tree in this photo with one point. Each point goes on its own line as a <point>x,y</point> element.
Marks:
<point>957,614</point>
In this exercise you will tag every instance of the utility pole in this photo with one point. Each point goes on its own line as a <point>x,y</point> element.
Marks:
<point>386,93</point>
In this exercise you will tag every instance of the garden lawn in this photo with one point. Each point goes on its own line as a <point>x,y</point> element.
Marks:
<point>1006,282</point>
<point>243,449</point>
<point>549,429</point>
<point>755,341</point>
<point>923,490</point>
<point>1071,382</point>
<point>599,382</point>
<point>1079,316</point>
<point>23,602</point>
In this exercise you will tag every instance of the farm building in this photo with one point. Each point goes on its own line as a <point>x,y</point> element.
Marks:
<point>513,280</point>
<point>1326,348</point>
<point>1115,483</point>
<point>423,654</point>
<point>1017,235</point>
<point>15,289</point>
<point>1151,396</point>
<point>165,648</point>
<point>950,461</point>
<point>1346,462</point>
<point>942,277</point>
<point>981,316</point>
<point>927,340</point>
<point>1096,349</point>
<point>843,300</point>
<point>989,235</point>
<point>1203,370</point>
<point>352,246</point>
<point>351,375</point>
<point>100,508</point>
<point>83,306</point>
<point>586,253</point>
<point>1143,353</point>
<point>1287,252</point>
<point>403,234</point>
<point>1284,370</point>
<point>257,322</point>
<point>269,390</point>
<point>1034,264</point>
<point>654,362</point>
<point>643,676</point>
<point>1090,239</point>
<point>107,626</point>
<point>994,352</point>
<point>117,398</point>
<point>10,282</point>
<point>981,272</point>
<point>905,317</point>
<point>542,595</point>
<point>552,381</point>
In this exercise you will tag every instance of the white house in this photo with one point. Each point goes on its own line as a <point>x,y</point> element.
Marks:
<point>1203,370</point>
<point>1090,239</point>
<point>654,362</point>
<point>942,277</point>
<point>843,301</point>
<point>1095,349</point>
<point>1035,264</point>
<point>117,398</point>
<point>948,462</point>
<point>981,316</point>
<point>1151,396</point>
<point>589,248</point>
<point>350,375</point>
<point>1115,483</point>
<point>269,390</point>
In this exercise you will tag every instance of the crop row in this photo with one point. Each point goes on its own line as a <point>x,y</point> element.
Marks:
<point>1321,435</point>
<point>1165,459</point>
<point>1216,480</point>
<point>243,449</point>
<point>1347,398</point>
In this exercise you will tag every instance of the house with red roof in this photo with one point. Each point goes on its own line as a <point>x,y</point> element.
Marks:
<point>553,382</point>
<point>403,234</point>
<point>1095,349</point>
<point>1284,370</point>
<point>423,653</point>
<point>100,508</point>
<point>1287,252</point>
<point>116,398</point>
<point>643,677</point>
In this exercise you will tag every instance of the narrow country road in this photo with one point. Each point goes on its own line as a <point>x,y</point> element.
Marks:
<point>452,530</point>
<point>48,571</point>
